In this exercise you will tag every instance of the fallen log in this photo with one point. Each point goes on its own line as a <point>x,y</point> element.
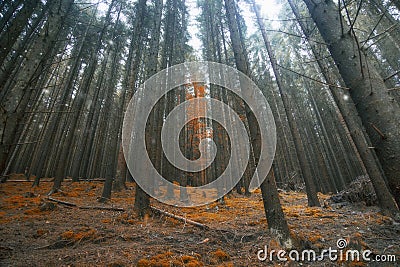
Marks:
<point>179,218</point>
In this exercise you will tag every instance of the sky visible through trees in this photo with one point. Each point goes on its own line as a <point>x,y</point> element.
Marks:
<point>270,9</point>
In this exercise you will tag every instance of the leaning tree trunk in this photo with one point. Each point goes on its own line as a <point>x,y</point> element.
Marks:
<point>17,25</point>
<point>142,199</point>
<point>349,114</point>
<point>7,14</point>
<point>273,209</point>
<point>379,112</point>
<point>104,121</point>
<point>299,147</point>
<point>13,111</point>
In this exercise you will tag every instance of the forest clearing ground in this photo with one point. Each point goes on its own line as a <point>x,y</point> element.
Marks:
<point>36,233</point>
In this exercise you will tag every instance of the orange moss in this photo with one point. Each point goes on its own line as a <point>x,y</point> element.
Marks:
<point>83,235</point>
<point>144,263</point>
<point>68,235</point>
<point>72,194</point>
<point>319,245</point>
<point>41,232</point>
<point>190,261</point>
<point>33,211</point>
<point>314,238</point>
<point>221,255</point>
<point>169,259</point>
<point>124,216</point>
<point>116,264</point>
<point>131,221</point>
<point>194,264</point>
<point>311,211</point>
<point>381,219</point>
<point>17,176</point>
<point>15,202</point>
<point>274,245</point>
<point>357,263</point>
<point>4,218</point>
<point>91,194</point>
<point>254,223</point>
<point>291,211</point>
<point>172,221</point>
<point>80,187</point>
<point>323,196</point>
<point>357,235</point>
<point>257,191</point>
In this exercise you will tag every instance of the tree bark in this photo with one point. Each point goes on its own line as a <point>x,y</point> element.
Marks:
<point>8,38</point>
<point>349,114</point>
<point>14,106</point>
<point>273,210</point>
<point>304,164</point>
<point>379,112</point>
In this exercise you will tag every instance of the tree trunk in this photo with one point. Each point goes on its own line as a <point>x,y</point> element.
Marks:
<point>379,112</point>
<point>14,30</point>
<point>14,106</point>
<point>277,223</point>
<point>304,164</point>
<point>273,209</point>
<point>349,114</point>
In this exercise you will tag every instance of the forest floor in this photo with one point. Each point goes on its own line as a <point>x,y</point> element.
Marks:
<point>34,232</point>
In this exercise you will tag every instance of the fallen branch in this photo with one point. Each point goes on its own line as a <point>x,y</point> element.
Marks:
<point>84,207</point>
<point>179,218</point>
<point>62,202</point>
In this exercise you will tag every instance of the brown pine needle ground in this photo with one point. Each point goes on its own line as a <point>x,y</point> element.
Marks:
<point>37,232</point>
